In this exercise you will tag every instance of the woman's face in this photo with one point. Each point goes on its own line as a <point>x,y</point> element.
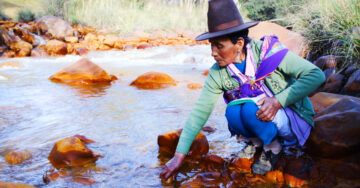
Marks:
<point>224,51</point>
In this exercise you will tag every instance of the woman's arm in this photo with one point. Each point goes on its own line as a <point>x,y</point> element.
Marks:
<point>308,78</point>
<point>198,117</point>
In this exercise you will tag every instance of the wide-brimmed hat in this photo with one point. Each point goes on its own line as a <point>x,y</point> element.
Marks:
<point>223,18</point>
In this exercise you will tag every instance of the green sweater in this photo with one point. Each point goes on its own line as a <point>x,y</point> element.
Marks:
<point>291,83</point>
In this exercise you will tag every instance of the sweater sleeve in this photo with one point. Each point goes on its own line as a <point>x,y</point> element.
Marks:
<point>200,114</point>
<point>308,78</point>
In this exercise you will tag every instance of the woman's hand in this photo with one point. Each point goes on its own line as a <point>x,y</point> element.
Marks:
<point>172,167</point>
<point>270,106</point>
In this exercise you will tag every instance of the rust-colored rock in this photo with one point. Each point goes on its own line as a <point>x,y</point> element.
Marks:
<point>82,51</point>
<point>110,40</point>
<point>10,64</point>
<point>337,131</point>
<point>38,52</point>
<point>83,72</point>
<point>54,27</point>
<point>275,177</point>
<point>153,80</point>
<point>208,129</point>
<point>8,54</point>
<point>322,100</point>
<point>194,86</point>
<point>144,46</point>
<point>206,72</point>
<point>21,48</point>
<point>56,47</point>
<point>168,142</point>
<point>352,87</point>
<point>212,162</point>
<point>242,164</point>
<point>71,39</point>
<point>70,152</point>
<point>17,157</point>
<point>4,184</point>
<point>293,181</point>
<point>5,37</point>
<point>294,41</point>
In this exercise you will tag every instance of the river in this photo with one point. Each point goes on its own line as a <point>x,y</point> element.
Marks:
<point>123,120</point>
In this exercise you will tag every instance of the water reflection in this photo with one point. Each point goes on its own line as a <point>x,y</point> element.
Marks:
<point>88,91</point>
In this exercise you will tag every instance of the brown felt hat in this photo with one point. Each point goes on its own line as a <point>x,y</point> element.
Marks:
<point>224,18</point>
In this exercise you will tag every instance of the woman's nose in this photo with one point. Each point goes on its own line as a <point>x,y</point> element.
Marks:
<point>214,52</point>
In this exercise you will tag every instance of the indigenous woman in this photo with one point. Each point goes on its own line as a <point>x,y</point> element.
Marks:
<point>264,85</point>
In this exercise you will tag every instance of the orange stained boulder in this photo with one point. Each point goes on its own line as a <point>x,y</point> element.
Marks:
<point>21,48</point>
<point>242,164</point>
<point>194,86</point>
<point>168,142</point>
<point>275,177</point>
<point>71,39</point>
<point>212,162</point>
<point>10,64</point>
<point>322,100</point>
<point>54,27</point>
<point>153,80</point>
<point>56,47</point>
<point>70,152</point>
<point>206,72</point>
<point>81,51</point>
<point>37,52</point>
<point>294,41</point>
<point>83,72</point>
<point>17,157</point>
<point>293,181</point>
<point>4,184</point>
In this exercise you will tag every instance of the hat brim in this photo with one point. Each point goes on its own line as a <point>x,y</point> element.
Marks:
<point>209,35</point>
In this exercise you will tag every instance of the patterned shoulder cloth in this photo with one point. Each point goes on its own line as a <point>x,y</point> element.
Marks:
<point>252,87</point>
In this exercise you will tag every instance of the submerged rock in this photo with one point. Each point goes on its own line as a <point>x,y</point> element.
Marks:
<point>168,142</point>
<point>70,152</point>
<point>83,72</point>
<point>17,157</point>
<point>153,80</point>
<point>4,184</point>
<point>10,64</point>
<point>52,175</point>
<point>194,86</point>
<point>337,130</point>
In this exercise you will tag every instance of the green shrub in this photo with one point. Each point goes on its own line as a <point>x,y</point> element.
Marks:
<point>331,27</point>
<point>26,16</point>
<point>262,10</point>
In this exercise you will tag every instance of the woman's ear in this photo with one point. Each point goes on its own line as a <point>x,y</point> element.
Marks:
<point>240,43</point>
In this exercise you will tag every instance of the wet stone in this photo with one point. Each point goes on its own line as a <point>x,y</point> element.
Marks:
<point>153,80</point>
<point>352,87</point>
<point>337,131</point>
<point>71,152</point>
<point>56,47</point>
<point>17,157</point>
<point>4,184</point>
<point>83,72</point>
<point>325,62</point>
<point>194,86</point>
<point>168,142</point>
<point>333,83</point>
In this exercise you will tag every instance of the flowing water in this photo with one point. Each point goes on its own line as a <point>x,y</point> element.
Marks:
<point>123,120</point>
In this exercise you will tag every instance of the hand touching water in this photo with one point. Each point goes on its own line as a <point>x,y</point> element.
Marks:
<point>172,167</point>
<point>270,106</point>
